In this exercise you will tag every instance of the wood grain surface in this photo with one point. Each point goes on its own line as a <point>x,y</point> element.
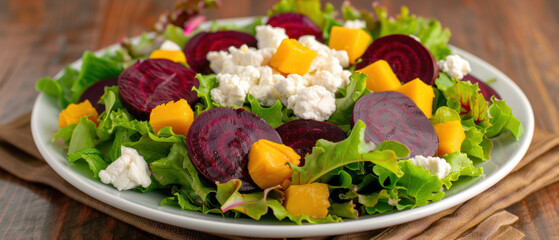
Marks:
<point>38,38</point>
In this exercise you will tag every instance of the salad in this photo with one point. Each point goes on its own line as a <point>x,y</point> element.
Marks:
<point>301,116</point>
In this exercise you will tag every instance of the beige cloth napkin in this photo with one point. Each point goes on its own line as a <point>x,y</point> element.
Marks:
<point>482,217</point>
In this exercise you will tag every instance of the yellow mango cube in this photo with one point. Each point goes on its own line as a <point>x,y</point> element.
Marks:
<point>173,55</point>
<point>74,112</point>
<point>451,135</point>
<point>353,41</point>
<point>421,93</point>
<point>308,199</point>
<point>292,57</point>
<point>267,163</point>
<point>381,77</point>
<point>178,115</point>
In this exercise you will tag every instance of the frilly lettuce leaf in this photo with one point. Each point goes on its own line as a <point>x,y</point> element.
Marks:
<point>328,156</point>
<point>460,165</point>
<point>465,98</point>
<point>207,83</point>
<point>356,88</point>
<point>252,204</point>
<point>476,144</point>
<point>273,115</point>
<point>502,120</point>
<point>93,69</point>
<point>445,114</point>
<point>59,88</point>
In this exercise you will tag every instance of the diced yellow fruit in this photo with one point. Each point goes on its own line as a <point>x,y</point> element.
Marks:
<point>353,41</point>
<point>381,77</point>
<point>451,135</point>
<point>421,93</point>
<point>73,112</point>
<point>178,115</point>
<point>267,163</point>
<point>292,57</point>
<point>173,55</point>
<point>308,199</point>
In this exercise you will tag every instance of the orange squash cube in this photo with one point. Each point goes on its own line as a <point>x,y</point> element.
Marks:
<point>451,135</point>
<point>73,112</point>
<point>292,57</point>
<point>267,163</point>
<point>178,115</point>
<point>353,41</point>
<point>421,93</point>
<point>381,77</point>
<point>308,199</point>
<point>173,55</point>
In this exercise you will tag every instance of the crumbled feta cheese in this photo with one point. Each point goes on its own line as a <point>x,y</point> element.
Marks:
<point>455,66</point>
<point>218,59</point>
<point>245,56</point>
<point>435,165</point>
<point>327,80</point>
<point>313,102</point>
<point>170,46</point>
<point>290,86</point>
<point>269,37</point>
<point>231,91</point>
<point>128,171</point>
<point>265,92</point>
<point>323,51</point>
<point>356,24</point>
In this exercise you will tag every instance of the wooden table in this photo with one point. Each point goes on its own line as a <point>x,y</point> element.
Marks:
<point>38,38</point>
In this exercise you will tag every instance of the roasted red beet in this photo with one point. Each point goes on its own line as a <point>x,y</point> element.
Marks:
<point>485,89</point>
<point>198,47</point>
<point>296,25</point>
<point>94,92</point>
<point>302,135</point>
<point>408,58</point>
<point>152,82</point>
<point>393,116</point>
<point>219,141</point>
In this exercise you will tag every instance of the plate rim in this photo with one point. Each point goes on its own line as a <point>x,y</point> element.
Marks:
<point>272,230</point>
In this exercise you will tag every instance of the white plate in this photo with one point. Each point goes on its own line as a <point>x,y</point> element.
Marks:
<point>505,156</point>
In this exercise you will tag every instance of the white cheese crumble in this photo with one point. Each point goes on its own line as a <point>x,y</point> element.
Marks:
<point>170,46</point>
<point>435,165</point>
<point>269,37</point>
<point>245,70</point>
<point>455,66</point>
<point>313,102</point>
<point>128,171</point>
<point>355,24</point>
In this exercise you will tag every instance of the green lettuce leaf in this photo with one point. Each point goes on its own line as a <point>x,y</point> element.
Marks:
<point>356,88</point>
<point>503,120</point>
<point>345,210</point>
<point>445,114</point>
<point>59,88</point>
<point>328,156</point>
<point>309,8</point>
<point>93,69</point>
<point>252,204</point>
<point>273,115</point>
<point>93,158</point>
<point>465,98</point>
<point>476,145</point>
<point>177,168</point>
<point>175,34</point>
<point>248,28</point>
<point>460,165</point>
<point>207,83</point>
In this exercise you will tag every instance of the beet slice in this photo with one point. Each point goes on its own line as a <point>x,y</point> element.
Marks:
<point>302,135</point>
<point>394,116</point>
<point>408,58</point>
<point>152,82</point>
<point>485,89</point>
<point>94,93</point>
<point>219,141</point>
<point>296,25</point>
<point>198,47</point>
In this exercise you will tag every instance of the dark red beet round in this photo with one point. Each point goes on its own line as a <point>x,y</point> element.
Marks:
<point>94,92</point>
<point>296,25</point>
<point>408,58</point>
<point>152,82</point>
<point>219,141</point>
<point>485,89</point>
<point>302,135</point>
<point>198,47</point>
<point>394,116</point>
